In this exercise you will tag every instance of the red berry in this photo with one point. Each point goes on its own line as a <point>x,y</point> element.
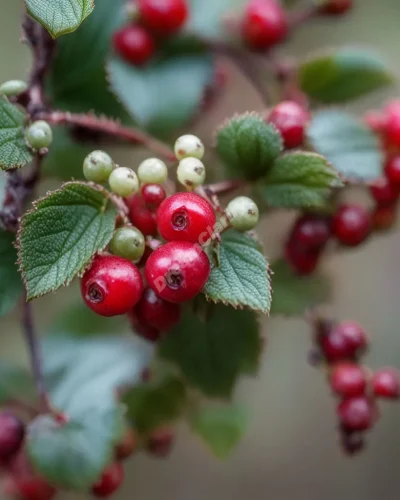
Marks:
<point>344,341</point>
<point>356,414</point>
<point>134,44</point>
<point>264,24</point>
<point>336,7</point>
<point>27,485</point>
<point>311,232</point>
<point>153,195</point>
<point>186,217</point>
<point>111,286</point>
<point>160,442</point>
<point>348,379</point>
<point>142,329</point>
<point>291,120</point>
<point>12,433</point>
<point>386,383</point>
<point>393,123</point>
<point>302,261</point>
<point>376,121</point>
<point>141,216</point>
<point>177,271</point>
<point>383,218</point>
<point>110,481</point>
<point>392,170</point>
<point>157,313</point>
<point>164,17</point>
<point>127,445</point>
<point>351,224</point>
<point>355,336</point>
<point>384,192</point>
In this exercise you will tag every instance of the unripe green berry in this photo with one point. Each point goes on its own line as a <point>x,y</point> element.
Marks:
<point>191,172</point>
<point>152,171</point>
<point>39,135</point>
<point>97,166</point>
<point>189,146</point>
<point>124,182</point>
<point>13,87</point>
<point>129,243</point>
<point>243,213</point>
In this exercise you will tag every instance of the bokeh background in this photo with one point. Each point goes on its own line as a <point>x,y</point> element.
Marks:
<point>290,451</point>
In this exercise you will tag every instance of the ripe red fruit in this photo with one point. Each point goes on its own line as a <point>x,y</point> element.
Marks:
<point>386,383</point>
<point>344,341</point>
<point>142,329</point>
<point>26,484</point>
<point>12,432</point>
<point>355,336</point>
<point>301,260</point>
<point>384,192</point>
<point>351,224</point>
<point>177,271</point>
<point>160,442</point>
<point>141,216</point>
<point>384,217</point>
<point>186,217</point>
<point>336,7</point>
<point>311,232</point>
<point>110,481</point>
<point>291,120</point>
<point>348,379</point>
<point>157,313</point>
<point>264,24</point>
<point>127,446</point>
<point>111,286</point>
<point>393,123</point>
<point>376,121</point>
<point>392,170</point>
<point>134,44</point>
<point>153,195</point>
<point>164,17</point>
<point>356,414</point>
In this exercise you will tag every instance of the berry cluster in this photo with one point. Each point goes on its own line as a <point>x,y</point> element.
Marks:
<point>176,267</point>
<point>341,347</point>
<point>151,21</point>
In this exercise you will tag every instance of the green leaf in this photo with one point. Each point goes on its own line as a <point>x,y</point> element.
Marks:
<point>348,144</point>
<point>61,234</point>
<point>343,74</point>
<point>248,146</point>
<point>10,279</point>
<point>14,152</point>
<point>293,294</point>
<point>206,16</point>
<point>164,94</point>
<point>298,180</point>
<point>15,383</point>
<point>221,428</point>
<point>156,402</point>
<point>213,352</point>
<point>60,16</point>
<point>242,277</point>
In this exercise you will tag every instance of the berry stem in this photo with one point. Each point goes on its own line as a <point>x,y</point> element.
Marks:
<point>299,17</point>
<point>110,127</point>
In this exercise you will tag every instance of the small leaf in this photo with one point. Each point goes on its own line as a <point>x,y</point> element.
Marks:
<point>10,279</point>
<point>299,180</point>
<point>221,428</point>
<point>343,74</point>
<point>242,277</point>
<point>60,16</point>
<point>213,353</point>
<point>61,234</point>
<point>15,383</point>
<point>349,145</point>
<point>14,152</point>
<point>248,146</point>
<point>164,94</point>
<point>293,295</point>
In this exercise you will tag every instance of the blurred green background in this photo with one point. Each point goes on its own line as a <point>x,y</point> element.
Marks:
<point>290,451</point>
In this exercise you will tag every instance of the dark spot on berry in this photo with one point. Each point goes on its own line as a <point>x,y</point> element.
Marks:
<point>180,220</point>
<point>174,279</point>
<point>199,170</point>
<point>95,293</point>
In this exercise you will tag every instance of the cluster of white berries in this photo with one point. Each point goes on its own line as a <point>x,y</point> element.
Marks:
<point>191,171</point>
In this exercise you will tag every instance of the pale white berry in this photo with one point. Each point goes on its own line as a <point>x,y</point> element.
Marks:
<point>123,181</point>
<point>243,213</point>
<point>13,87</point>
<point>189,146</point>
<point>153,171</point>
<point>97,166</point>
<point>191,172</point>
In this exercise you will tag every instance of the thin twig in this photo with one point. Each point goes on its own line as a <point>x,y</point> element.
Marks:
<point>299,17</point>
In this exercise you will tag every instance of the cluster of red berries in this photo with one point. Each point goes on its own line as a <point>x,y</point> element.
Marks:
<point>341,347</point>
<point>151,21</point>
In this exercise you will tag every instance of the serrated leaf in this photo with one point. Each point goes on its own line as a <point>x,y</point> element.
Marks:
<point>298,180</point>
<point>248,146</point>
<point>214,352</point>
<point>155,403</point>
<point>61,234</point>
<point>221,428</point>
<point>15,383</point>
<point>293,294</point>
<point>348,144</point>
<point>165,93</point>
<point>60,16</point>
<point>14,152</point>
<point>343,74</point>
<point>10,279</point>
<point>242,277</point>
